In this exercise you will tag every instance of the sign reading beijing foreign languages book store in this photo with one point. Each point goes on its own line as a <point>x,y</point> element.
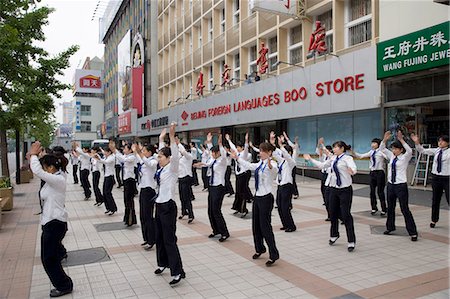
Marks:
<point>420,50</point>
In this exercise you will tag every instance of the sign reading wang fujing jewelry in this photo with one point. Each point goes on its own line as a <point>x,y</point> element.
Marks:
<point>420,50</point>
<point>337,85</point>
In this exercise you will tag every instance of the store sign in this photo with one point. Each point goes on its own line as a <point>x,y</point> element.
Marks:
<point>124,123</point>
<point>78,116</point>
<point>155,123</point>
<point>420,50</point>
<point>90,81</point>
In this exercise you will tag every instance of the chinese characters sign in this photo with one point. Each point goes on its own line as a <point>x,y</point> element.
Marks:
<point>420,50</point>
<point>90,81</point>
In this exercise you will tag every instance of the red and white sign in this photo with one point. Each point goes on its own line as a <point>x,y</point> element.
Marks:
<point>90,81</point>
<point>124,123</point>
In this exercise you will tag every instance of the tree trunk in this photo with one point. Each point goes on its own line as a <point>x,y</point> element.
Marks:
<point>4,153</point>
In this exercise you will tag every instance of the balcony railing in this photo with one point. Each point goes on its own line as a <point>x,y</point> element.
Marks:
<point>173,73</point>
<point>180,70</point>
<point>233,37</point>
<point>219,44</point>
<point>207,51</point>
<point>197,57</point>
<point>248,28</point>
<point>188,63</point>
<point>267,21</point>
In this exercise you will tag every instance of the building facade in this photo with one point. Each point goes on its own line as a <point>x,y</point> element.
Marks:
<point>67,112</point>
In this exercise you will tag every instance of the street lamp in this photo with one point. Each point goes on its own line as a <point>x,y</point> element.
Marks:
<point>276,64</point>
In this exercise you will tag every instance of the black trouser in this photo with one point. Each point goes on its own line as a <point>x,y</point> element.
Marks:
<point>108,184</point>
<point>74,173</point>
<point>129,190</point>
<point>215,199</point>
<point>262,227</point>
<point>205,177</point>
<point>146,207</point>
<point>339,206</point>
<point>194,175</point>
<point>167,252</point>
<point>243,192</point>
<point>378,182</point>
<point>185,190</point>
<point>399,191</point>
<point>228,185</point>
<point>119,174</point>
<point>84,177</point>
<point>294,182</point>
<point>322,186</point>
<point>53,233</point>
<point>284,203</point>
<point>439,183</point>
<point>95,182</point>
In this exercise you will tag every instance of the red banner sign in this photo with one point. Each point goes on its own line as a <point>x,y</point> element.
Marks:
<point>124,123</point>
<point>90,81</point>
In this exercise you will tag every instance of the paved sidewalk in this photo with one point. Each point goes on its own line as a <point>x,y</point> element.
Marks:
<point>380,267</point>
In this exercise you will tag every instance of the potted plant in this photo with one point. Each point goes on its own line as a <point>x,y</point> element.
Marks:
<point>25,174</point>
<point>6,193</point>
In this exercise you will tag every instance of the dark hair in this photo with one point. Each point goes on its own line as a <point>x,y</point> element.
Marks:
<point>187,147</point>
<point>107,149</point>
<point>96,149</point>
<point>328,147</point>
<point>86,147</point>
<point>240,144</point>
<point>377,140</point>
<point>266,147</point>
<point>289,149</point>
<point>127,146</point>
<point>398,144</point>
<point>150,147</point>
<point>443,138</point>
<point>59,149</point>
<point>215,149</point>
<point>192,143</point>
<point>55,159</point>
<point>342,144</point>
<point>166,151</point>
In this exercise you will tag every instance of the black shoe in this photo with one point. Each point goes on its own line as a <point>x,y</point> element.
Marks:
<point>149,247</point>
<point>223,238</point>
<point>432,225</point>
<point>257,255</point>
<point>282,228</point>
<point>373,212</point>
<point>180,217</point>
<point>86,198</point>
<point>414,238</point>
<point>211,236</point>
<point>350,248</point>
<point>235,212</point>
<point>342,222</point>
<point>328,219</point>
<point>145,243</point>
<point>183,274</point>
<point>245,214</point>
<point>249,201</point>
<point>382,214</point>
<point>290,230</point>
<point>331,242</point>
<point>175,281</point>
<point>107,212</point>
<point>270,263</point>
<point>190,220</point>
<point>111,213</point>
<point>159,271</point>
<point>57,293</point>
<point>388,232</point>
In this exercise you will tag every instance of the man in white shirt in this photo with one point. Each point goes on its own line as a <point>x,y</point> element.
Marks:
<point>377,175</point>
<point>397,187</point>
<point>440,172</point>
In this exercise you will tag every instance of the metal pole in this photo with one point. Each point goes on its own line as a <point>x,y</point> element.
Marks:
<point>17,156</point>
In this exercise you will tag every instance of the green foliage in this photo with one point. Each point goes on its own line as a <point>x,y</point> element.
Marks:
<point>5,182</point>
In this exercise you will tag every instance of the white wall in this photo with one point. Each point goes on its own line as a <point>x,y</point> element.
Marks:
<point>96,117</point>
<point>400,17</point>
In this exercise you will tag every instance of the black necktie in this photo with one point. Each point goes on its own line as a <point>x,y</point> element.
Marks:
<point>211,179</point>
<point>280,169</point>
<point>394,169</point>
<point>374,160</point>
<point>257,176</point>
<point>238,168</point>
<point>439,161</point>
<point>336,171</point>
<point>158,176</point>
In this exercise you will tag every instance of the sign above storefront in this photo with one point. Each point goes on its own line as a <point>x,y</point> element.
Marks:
<point>87,81</point>
<point>124,123</point>
<point>420,50</point>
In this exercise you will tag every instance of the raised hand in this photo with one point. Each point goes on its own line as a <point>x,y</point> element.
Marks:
<point>387,136</point>
<point>209,138</point>
<point>321,141</point>
<point>246,137</point>
<point>35,148</point>
<point>219,140</point>
<point>307,157</point>
<point>415,138</point>
<point>399,135</point>
<point>234,155</point>
<point>177,140</point>
<point>163,134</point>
<point>227,137</point>
<point>173,125</point>
<point>296,140</point>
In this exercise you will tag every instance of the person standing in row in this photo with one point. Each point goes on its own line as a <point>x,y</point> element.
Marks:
<point>341,192</point>
<point>119,172</point>
<point>265,173</point>
<point>216,191</point>
<point>185,182</point>
<point>206,157</point>
<point>440,171</point>
<point>194,153</point>
<point>228,186</point>
<point>129,183</point>
<point>167,252</point>
<point>52,169</point>
<point>74,161</point>
<point>147,185</point>
<point>85,166</point>
<point>377,175</point>
<point>397,187</point>
<point>324,153</point>
<point>243,175</point>
<point>285,162</point>
<point>96,177</point>
<point>109,162</point>
<point>295,147</point>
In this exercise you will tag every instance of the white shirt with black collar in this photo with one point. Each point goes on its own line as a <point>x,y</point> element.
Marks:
<point>344,162</point>
<point>148,170</point>
<point>401,164</point>
<point>266,175</point>
<point>217,168</point>
<point>239,168</point>
<point>445,171</point>
<point>186,160</point>
<point>286,164</point>
<point>85,159</point>
<point>379,157</point>
<point>168,176</point>
<point>129,162</point>
<point>110,163</point>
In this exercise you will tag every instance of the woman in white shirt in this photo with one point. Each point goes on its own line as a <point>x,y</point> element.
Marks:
<point>52,169</point>
<point>129,182</point>
<point>206,157</point>
<point>341,192</point>
<point>265,173</point>
<point>147,185</point>
<point>185,182</point>
<point>96,177</point>
<point>166,177</point>
<point>108,182</point>
<point>397,187</point>
<point>440,172</point>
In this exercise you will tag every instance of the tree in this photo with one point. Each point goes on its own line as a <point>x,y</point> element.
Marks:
<point>28,80</point>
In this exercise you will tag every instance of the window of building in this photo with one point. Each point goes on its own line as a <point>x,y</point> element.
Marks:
<point>237,67</point>
<point>273,53</point>
<point>252,58</point>
<point>210,30</point>
<point>295,47</point>
<point>222,20</point>
<point>85,110</point>
<point>85,126</point>
<point>211,77</point>
<point>236,11</point>
<point>359,21</point>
